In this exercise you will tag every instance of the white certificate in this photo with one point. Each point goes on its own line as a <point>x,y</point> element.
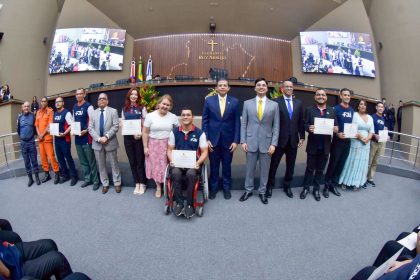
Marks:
<point>75,128</point>
<point>383,135</point>
<point>131,127</point>
<point>324,126</point>
<point>54,129</point>
<point>350,130</point>
<point>378,272</point>
<point>410,241</point>
<point>184,158</point>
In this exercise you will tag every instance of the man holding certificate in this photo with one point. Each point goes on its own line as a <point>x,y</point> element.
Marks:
<point>132,115</point>
<point>377,147</point>
<point>186,138</point>
<point>62,141</point>
<point>340,146</point>
<point>320,123</point>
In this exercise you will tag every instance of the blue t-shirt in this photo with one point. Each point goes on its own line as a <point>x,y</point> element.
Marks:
<point>378,122</point>
<point>344,115</point>
<point>81,115</point>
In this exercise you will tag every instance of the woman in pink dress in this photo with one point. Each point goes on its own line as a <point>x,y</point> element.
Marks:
<point>156,129</point>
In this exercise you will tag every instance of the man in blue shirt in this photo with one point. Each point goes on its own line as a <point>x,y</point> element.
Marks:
<point>186,137</point>
<point>340,146</point>
<point>376,148</point>
<point>26,132</point>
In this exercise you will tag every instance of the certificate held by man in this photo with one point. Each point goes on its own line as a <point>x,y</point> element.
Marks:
<point>184,158</point>
<point>131,127</point>
<point>323,126</point>
<point>75,128</point>
<point>54,131</point>
<point>383,135</point>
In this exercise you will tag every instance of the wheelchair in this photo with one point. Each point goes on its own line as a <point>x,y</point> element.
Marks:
<point>200,194</point>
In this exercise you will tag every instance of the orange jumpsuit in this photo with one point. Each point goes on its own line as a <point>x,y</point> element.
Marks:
<point>46,148</point>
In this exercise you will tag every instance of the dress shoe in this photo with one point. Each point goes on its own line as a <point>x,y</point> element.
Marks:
<point>105,190</point>
<point>56,178</point>
<point>38,182</point>
<point>46,177</point>
<point>316,194</point>
<point>335,191</point>
<point>227,195</point>
<point>73,181</point>
<point>95,187</point>
<point>268,192</point>
<point>189,211</point>
<point>136,189</point>
<point>212,195</point>
<point>64,179</point>
<point>118,189</point>
<point>245,196</point>
<point>304,193</point>
<point>371,183</point>
<point>263,198</point>
<point>31,180</point>
<point>85,184</point>
<point>326,192</point>
<point>288,192</point>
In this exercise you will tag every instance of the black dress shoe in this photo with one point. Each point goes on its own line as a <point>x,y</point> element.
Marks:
<point>56,178</point>
<point>317,195</point>
<point>334,190</point>
<point>46,177</point>
<point>73,181</point>
<point>64,179</point>
<point>245,196</point>
<point>288,192</point>
<point>304,193</point>
<point>212,195</point>
<point>263,198</point>
<point>268,192</point>
<point>326,192</point>
<point>96,186</point>
<point>85,184</point>
<point>227,195</point>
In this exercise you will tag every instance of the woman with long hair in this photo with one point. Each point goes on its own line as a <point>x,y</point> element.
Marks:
<point>134,110</point>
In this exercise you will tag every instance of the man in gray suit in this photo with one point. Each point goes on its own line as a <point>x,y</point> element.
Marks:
<point>259,137</point>
<point>103,128</point>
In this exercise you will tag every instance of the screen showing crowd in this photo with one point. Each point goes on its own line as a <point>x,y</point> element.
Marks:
<point>335,52</point>
<point>87,49</point>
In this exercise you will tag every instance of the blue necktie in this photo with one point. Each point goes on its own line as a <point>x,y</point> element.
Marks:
<point>289,108</point>
<point>101,124</point>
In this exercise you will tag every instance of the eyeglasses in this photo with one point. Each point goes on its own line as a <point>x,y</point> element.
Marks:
<point>58,102</point>
<point>102,98</point>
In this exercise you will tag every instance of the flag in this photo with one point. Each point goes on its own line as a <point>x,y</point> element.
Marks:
<point>140,71</point>
<point>133,71</point>
<point>149,69</point>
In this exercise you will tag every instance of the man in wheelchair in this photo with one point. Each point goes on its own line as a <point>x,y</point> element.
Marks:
<point>186,137</point>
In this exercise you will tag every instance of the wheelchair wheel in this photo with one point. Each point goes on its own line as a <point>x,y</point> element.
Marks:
<point>167,209</point>
<point>205,182</point>
<point>200,210</point>
<point>165,182</point>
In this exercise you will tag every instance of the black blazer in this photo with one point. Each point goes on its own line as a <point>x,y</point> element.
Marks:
<point>293,128</point>
<point>311,113</point>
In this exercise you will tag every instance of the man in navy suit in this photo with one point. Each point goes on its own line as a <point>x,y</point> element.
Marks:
<point>292,136</point>
<point>221,123</point>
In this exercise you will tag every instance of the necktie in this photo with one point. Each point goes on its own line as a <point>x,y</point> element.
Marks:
<point>260,111</point>
<point>289,108</point>
<point>101,123</point>
<point>222,106</point>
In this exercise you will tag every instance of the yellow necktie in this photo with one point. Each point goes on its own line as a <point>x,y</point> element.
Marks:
<point>260,111</point>
<point>222,106</point>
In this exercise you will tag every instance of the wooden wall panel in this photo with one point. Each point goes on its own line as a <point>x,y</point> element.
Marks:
<point>191,54</point>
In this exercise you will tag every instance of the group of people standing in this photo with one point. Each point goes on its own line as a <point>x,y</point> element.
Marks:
<point>268,130</point>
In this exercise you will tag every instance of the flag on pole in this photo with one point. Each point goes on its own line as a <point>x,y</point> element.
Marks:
<point>133,71</point>
<point>140,71</point>
<point>149,69</point>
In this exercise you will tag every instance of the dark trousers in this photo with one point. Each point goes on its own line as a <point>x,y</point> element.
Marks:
<point>221,155</point>
<point>135,153</point>
<point>315,165</point>
<point>65,160</point>
<point>399,128</point>
<point>190,177</point>
<point>290,153</point>
<point>42,260</point>
<point>391,125</point>
<point>29,155</point>
<point>340,150</point>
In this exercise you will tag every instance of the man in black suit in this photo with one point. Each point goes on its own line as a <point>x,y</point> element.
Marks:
<point>292,136</point>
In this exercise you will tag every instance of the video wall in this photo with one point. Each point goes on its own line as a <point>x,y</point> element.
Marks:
<point>87,49</point>
<point>337,52</point>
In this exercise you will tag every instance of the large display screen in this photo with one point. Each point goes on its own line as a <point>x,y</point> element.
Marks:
<point>87,49</point>
<point>336,52</point>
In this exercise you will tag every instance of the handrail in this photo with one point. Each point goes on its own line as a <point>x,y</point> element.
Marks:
<point>7,135</point>
<point>393,149</point>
